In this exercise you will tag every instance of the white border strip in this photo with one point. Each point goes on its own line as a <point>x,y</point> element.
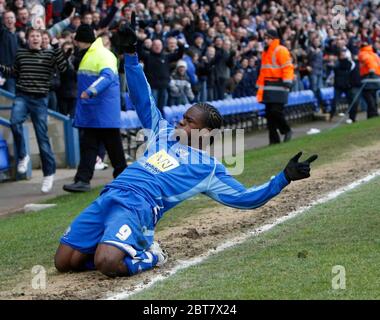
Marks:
<point>238,240</point>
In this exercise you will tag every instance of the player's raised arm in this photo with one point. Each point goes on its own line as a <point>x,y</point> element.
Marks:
<point>138,86</point>
<point>228,191</point>
<point>140,93</point>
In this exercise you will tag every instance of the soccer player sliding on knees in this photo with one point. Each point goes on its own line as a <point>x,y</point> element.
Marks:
<point>115,234</point>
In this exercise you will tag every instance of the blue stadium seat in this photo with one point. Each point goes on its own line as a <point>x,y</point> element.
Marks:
<point>293,99</point>
<point>130,120</point>
<point>236,105</point>
<point>245,105</point>
<point>328,93</point>
<point>243,112</point>
<point>251,104</point>
<point>177,114</point>
<point>222,106</point>
<point>304,97</point>
<point>306,83</point>
<point>136,121</point>
<point>168,114</point>
<point>181,111</point>
<point>231,107</point>
<point>327,96</point>
<point>260,108</point>
<point>4,156</point>
<point>125,120</point>
<point>310,96</point>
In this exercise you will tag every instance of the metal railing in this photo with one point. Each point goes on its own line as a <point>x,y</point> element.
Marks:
<point>70,134</point>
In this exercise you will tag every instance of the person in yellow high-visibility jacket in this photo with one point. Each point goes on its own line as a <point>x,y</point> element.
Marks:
<point>98,108</point>
<point>274,83</point>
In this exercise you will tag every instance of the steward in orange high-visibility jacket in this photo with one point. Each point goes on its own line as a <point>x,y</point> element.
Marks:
<point>274,83</point>
<point>276,74</point>
<point>369,63</point>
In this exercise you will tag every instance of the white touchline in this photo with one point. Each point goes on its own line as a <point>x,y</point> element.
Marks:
<point>238,240</point>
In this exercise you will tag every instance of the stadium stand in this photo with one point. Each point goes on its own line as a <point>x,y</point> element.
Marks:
<point>233,30</point>
<point>245,113</point>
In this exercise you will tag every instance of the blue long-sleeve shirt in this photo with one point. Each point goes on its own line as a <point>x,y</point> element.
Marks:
<point>170,172</point>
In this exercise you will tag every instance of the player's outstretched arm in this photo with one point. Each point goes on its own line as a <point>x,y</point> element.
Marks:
<point>138,86</point>
<point>228,191</point>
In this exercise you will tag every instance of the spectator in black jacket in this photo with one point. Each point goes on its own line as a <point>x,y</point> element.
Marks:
<point>315,65</point>
<point>107,20</point>
<point>355,81</point>
<point>250,77</point>
<point>254,73</point>
<point>235,87</point>
<point>67,91</point>
<point>223,65</point>
<point>158,32</point>
<point>9,43</point>
<point>157,69</point>
<point>207,72</point>
<point>199,45</point>
<point>342,84</point>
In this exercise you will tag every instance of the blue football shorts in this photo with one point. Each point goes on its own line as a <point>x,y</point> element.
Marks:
<point>117,217</point>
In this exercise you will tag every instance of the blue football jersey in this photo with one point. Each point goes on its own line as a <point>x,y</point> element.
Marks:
<point>170,172</point>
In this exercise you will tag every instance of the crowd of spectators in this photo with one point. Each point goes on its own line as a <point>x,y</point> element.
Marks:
<point>196,50</point>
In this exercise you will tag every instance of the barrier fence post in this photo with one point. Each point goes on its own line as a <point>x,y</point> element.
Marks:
<point>72,144</point>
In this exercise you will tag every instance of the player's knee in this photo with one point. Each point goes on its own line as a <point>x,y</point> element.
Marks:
<point>109,260</point>
<point>62,263</point>
<point>109,266</point>
<point>67,259</point>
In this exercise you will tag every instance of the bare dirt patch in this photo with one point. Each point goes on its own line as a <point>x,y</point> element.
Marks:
<point>205,231</point>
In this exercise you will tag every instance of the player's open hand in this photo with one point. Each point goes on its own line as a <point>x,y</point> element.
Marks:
<point>298,170</point>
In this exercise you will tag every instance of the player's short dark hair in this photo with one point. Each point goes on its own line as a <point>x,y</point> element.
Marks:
<point>214,119</point>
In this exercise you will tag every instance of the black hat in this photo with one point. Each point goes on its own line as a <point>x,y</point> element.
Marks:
<point>85,34</point>
<point>272,33</point>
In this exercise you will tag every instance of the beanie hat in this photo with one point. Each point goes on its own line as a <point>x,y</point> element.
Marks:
<point>85,34</point>
<point>181,63</point>
<point>272,33</point>
<point>198,35</point>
